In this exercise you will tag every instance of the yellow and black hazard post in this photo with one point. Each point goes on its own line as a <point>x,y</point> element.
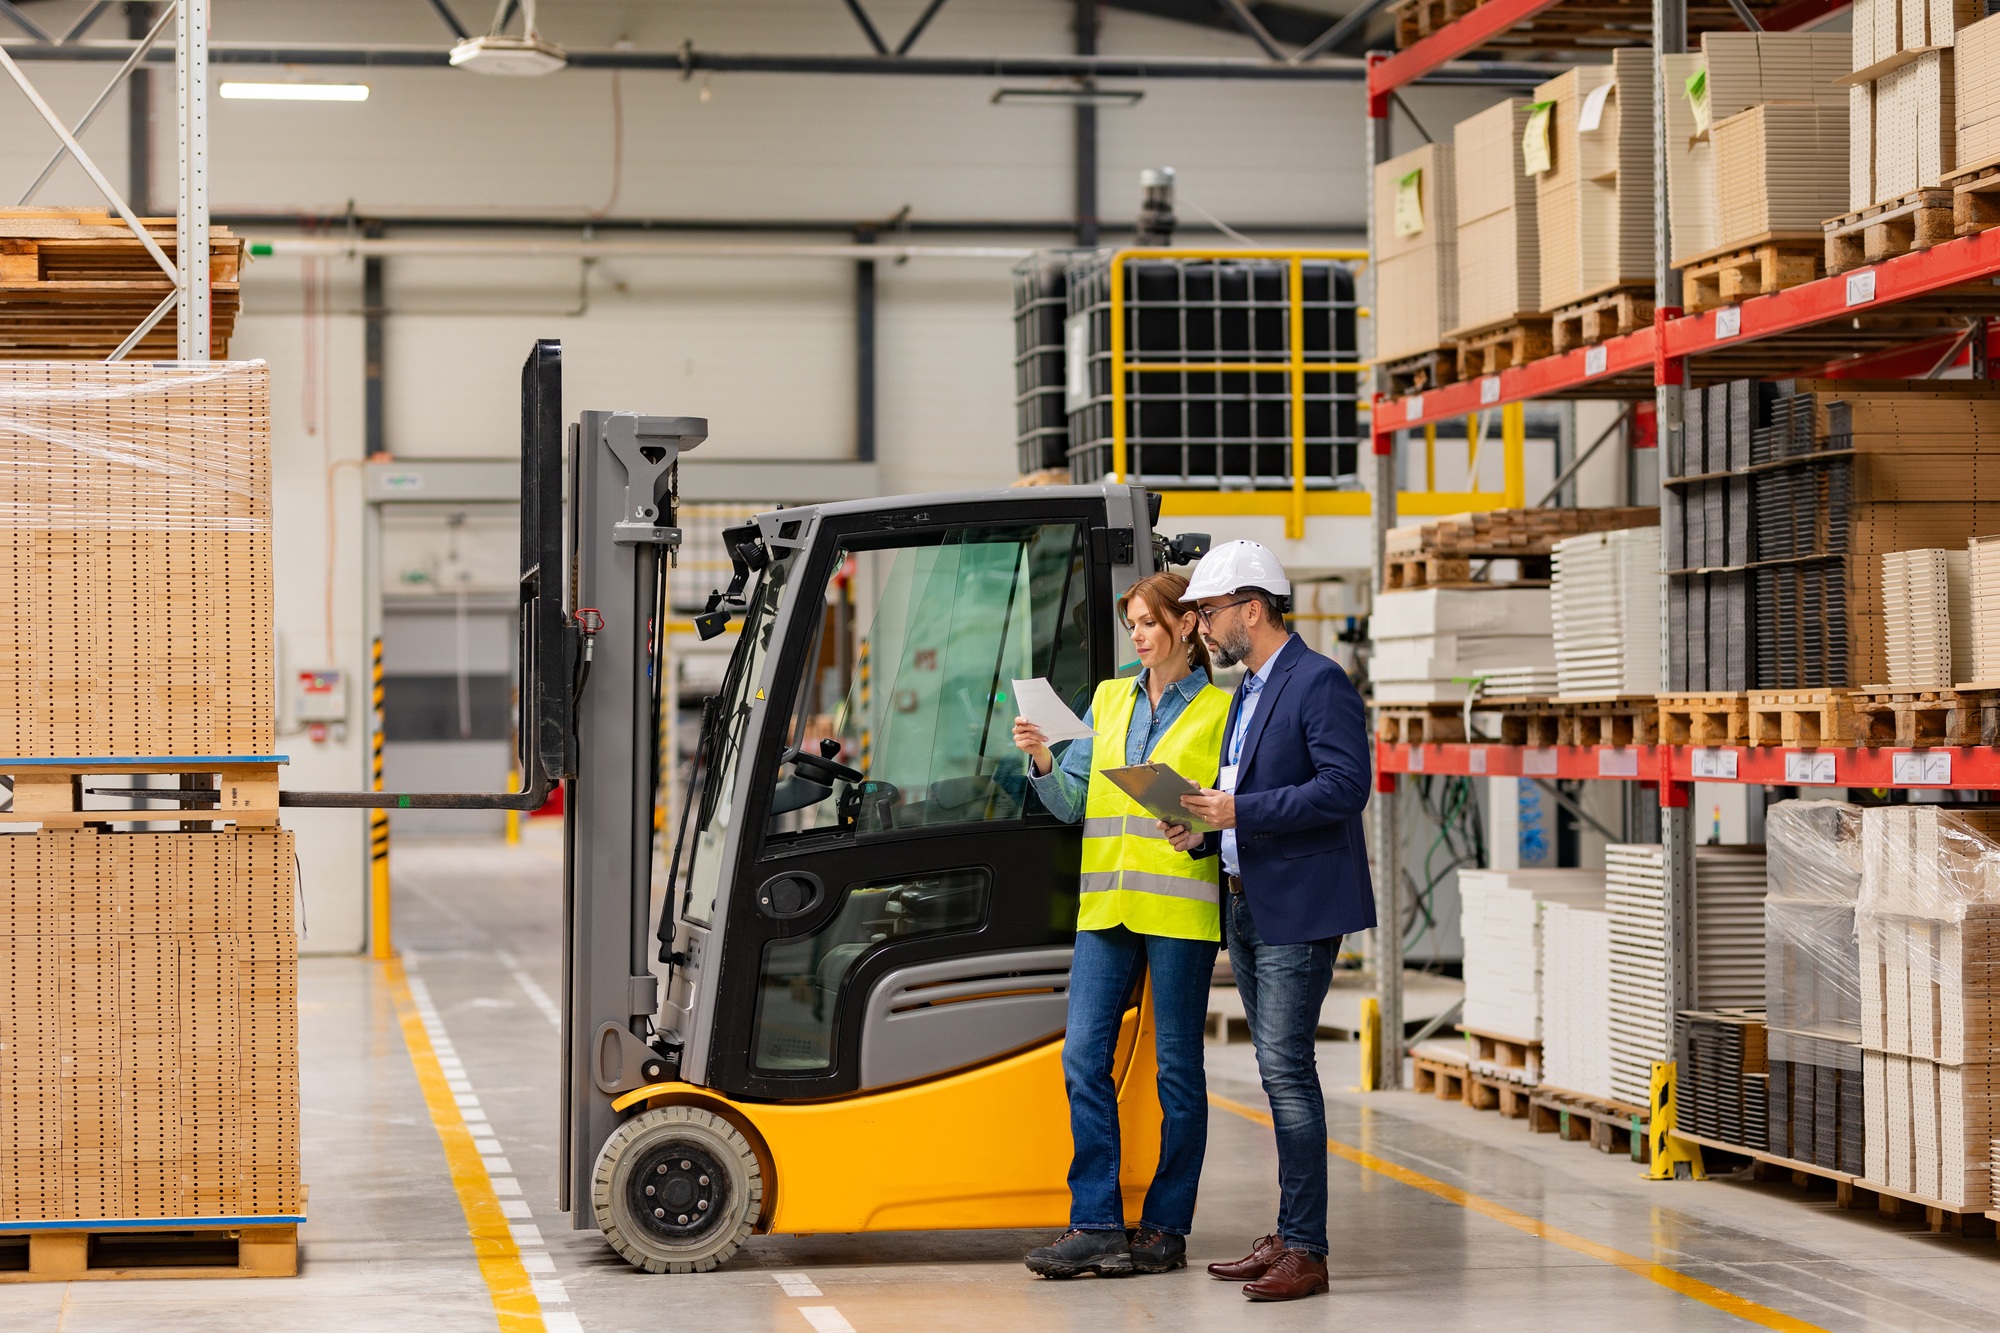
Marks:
<point>382,944</point>
<point>1670,1152</point>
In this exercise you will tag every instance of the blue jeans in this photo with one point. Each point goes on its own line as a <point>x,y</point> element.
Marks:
<point>1283,986</point>
<point>1107,967</point>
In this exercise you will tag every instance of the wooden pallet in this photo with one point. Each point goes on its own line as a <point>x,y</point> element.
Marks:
<point>1441,1078</point>
<point>1418,19</point>
<point>54,793</point>
<point>1511,534</point>
<point>1524,720</point>
<point>1499,347</point>
<point>1608,1126</point>
<point>1704,719</point>
<point>1916,221</point>
<point>1801,718</point>
<point>74,282</point>
<point>1605,315</point>
<point>1975,198</point>
<point>1415,374</point>
<point>1772,263</point>
<point>1483,1092</point>
<point>1424,569</point>
<point>1885,715</point>
<point>1632,719</point>
<point>1514,1059</point>
<point>111,1251</point>
<point>1571,29</point>
<point>1420,724</point>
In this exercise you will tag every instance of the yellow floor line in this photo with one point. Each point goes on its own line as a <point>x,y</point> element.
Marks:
<point>514,1302</point>
<point>1728,1302</point>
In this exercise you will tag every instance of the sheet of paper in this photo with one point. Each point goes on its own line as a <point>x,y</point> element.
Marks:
<point>1038,701</point>
<point>1159,789</point>
<point>1697,93</point>
<point>1410,204</point>
<point>1592,116</point>
<point>1535,139</point>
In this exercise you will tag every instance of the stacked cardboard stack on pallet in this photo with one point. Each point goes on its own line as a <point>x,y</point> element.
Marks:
<point>1926,618</point>
<point>1429,644</point>
<point>1976,93</point>
<point>1591,153</point>
<point>1725,1077</point>
<point>1607,613</point>
<point>1929,925</point>
<point>1416,264</point>
<point>1902,123</point>
<point>1499,255</point>
<point>148,1043</point>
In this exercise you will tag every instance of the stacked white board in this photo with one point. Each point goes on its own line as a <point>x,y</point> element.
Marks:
<point>1729,889</point>
<point>1606,613</point>
<point>1501,923</point>
<point>1635,901</point>
<point>1576,998</point>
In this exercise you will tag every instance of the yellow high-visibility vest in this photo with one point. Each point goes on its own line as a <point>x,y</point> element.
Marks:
<point>1132,876</point>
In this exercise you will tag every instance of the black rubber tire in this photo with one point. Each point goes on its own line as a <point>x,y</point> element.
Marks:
<point>645,1137</point>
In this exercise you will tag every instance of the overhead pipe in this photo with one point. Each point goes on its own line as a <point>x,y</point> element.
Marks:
<point>688,61</point>
<point>243,220</point>
<point>399,247</point>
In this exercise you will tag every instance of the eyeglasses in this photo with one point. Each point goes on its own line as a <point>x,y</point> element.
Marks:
<point>1207,614</point>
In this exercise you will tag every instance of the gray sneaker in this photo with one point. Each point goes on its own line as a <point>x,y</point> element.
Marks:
<point>1075,1253</point>
<point>1157,1251</point>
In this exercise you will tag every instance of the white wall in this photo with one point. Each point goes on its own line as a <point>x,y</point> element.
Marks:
<point>763,349</point>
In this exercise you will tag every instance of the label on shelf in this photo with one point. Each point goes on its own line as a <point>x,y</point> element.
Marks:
<point>1728,321</point>
<point>1489,391</point>
<point>1711,763</point>
<point>1622,762</point>
<point>1811,769</point>
<point>1416,764</point>
<point>1596,359</point>
<point>1413,407</point>
<point>1477,759</point>
<point>1921,767</point>
<point>1538,761</point>
<point>1861,286</point>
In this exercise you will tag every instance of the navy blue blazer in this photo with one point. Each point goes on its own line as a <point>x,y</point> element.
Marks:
<point>1302,781</point>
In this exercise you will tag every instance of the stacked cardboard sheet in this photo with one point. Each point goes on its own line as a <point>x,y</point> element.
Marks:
<point>148,1025</point>
<point>1983,604</point>
<point>1635,901</point>
<point>1690,161</point>
<point>135,559</point>
<point>1777,170</point>
<point>1416,251</point>
<point>1501,922</point>
<point>1929,926</point>
<point>1818,1101</point>
<point>1729,888</point>
<point>1607,613</point>
<point>1499,257</point>
<point>1903,117</point>
<point>1926,618</point>
<point>1594,202</point>
<point>1976,93</point>
<point>1429,644</point>
<point>1576,999</point>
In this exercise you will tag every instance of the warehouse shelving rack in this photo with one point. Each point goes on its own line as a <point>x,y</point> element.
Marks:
<point>1904,317</point>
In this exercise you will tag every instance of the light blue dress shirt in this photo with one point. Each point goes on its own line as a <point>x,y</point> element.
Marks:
<point>1232,753</point>
<point>1065,787</point>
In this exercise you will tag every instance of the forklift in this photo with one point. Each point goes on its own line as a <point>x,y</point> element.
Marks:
<point>843,1008</point>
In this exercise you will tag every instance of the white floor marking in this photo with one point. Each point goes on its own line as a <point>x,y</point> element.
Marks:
<point>826,1319</point>
<point>796,1284</point>
<point>549,1289</point>
<point>532,988</point>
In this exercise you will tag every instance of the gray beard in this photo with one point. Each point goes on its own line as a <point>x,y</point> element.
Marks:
<point>1228,652</point>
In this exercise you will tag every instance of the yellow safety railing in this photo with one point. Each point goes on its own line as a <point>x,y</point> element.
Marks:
<point>1297,503</point>
<point>1295,364</point>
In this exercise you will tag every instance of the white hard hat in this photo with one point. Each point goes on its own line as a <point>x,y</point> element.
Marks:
<point>1234,565</point>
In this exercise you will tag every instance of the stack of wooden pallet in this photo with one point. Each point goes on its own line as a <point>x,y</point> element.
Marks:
<point>1442,550</point>
<point>75,282</point>
<point>1929,926</point>
<point>148,980</point>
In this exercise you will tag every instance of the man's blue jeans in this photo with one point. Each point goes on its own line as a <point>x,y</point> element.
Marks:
<point>1107,967</point>
<point>1283,986</point>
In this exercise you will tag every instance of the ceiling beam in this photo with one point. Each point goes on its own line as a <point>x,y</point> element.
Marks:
<point>1293,25</point>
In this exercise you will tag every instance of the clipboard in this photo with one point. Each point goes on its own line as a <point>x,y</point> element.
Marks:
<point>1159,788</point>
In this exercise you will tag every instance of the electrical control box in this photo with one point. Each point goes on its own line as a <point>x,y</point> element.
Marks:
<point>319,694</point>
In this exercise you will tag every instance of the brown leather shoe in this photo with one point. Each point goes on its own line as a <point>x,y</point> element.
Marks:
<point>1252,1265</point>
<point>1293,1274</point>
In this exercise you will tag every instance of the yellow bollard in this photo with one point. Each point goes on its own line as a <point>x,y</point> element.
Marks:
<point>1371,1044</point>
<point>513,816</point>
<point>1670,1153</point>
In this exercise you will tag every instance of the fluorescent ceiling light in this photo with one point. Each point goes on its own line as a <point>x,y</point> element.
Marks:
<point>295,92</point>
<point>509,56</point>
<point>1067,96</point>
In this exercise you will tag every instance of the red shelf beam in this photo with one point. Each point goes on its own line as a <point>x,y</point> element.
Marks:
<point>1449,43</point>
<point>1961,768</point>
<point>1630,354</point>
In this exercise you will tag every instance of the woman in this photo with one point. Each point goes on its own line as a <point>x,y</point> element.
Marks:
<point>1146,910</point>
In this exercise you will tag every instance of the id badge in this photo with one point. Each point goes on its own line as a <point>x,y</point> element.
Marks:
<point>1227,779</point>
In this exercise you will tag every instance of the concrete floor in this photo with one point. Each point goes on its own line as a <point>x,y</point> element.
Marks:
<point>387,1247</point>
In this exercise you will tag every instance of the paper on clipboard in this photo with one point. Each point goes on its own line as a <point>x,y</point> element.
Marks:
<point>1159,788</point>
<point>1038,701</point>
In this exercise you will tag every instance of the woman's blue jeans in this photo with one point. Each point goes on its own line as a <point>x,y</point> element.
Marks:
<point>1102,978</point>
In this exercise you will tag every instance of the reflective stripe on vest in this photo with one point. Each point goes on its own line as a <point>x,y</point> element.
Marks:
<point>1132,876</point>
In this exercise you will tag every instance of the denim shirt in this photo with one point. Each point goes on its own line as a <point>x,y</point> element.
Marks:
<point>1064,787</point>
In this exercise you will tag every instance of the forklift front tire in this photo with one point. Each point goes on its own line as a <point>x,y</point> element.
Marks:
<point>676,1190</point>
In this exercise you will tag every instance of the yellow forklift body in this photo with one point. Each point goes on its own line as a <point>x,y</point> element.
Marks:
<point>986,1148</point>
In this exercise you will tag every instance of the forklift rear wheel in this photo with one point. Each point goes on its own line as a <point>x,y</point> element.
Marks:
<point>676,1190</point>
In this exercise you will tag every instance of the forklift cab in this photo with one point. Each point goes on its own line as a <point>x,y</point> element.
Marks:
<point>836,1002</point>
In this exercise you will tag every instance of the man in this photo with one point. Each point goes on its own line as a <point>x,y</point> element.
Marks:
<point>1295,779</point>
